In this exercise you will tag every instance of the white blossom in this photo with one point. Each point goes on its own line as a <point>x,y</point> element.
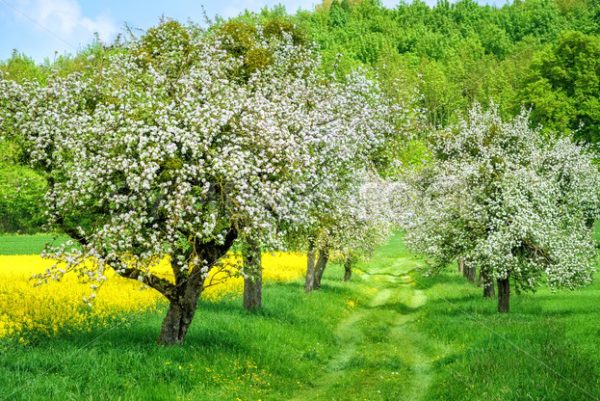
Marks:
<point>162,150</point>
<point>508,201</point>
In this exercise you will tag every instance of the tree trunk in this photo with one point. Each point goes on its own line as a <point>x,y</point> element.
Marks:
<point>461,265</point>
<point>184,294</point>
<point>503,295</point>
<point>470,272</point>
<point>488,285</point>
<point>252,277</point>
<point>347,269</point>
<point>320,267</point>
<point>179,317</point>
<point>310,268</point>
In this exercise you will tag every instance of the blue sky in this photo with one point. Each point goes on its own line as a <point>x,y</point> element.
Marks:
<point>39,28</point>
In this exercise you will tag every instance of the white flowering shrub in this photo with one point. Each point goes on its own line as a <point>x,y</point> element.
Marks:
<point>357,219</point>
<point>369,217</point>
<point>170,150</point>
<point>510,202</point>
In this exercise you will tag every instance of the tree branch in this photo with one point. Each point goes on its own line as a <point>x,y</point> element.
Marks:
<point>211,252</point>
<point>164,286</point>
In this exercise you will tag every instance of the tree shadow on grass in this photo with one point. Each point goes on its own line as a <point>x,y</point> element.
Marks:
<point>398,307</point>
<point>142,337</point>
<point>425,282</point>
<point>525,305</point>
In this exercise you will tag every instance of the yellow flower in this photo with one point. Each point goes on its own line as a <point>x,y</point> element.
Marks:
<point>57,306</point>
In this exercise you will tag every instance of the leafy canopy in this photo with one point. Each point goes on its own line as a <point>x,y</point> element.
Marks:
<point>508,202</point>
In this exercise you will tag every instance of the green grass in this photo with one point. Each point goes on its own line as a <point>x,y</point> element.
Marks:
<point>228,354</point>
<point>27,244</point>
<point>546,348</point>
<point>380,337</point>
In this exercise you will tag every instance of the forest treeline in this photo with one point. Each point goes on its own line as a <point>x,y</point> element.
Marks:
<point>541,55</point>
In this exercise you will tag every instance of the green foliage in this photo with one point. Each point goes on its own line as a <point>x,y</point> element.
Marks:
<point>277,27</point>
<point>21,200</point>
<point>245,40</point>
<point>460,53</point>
<point>167,46</point>
<point>19,67</point>
<point>10,152</point>
<point>563,87</point>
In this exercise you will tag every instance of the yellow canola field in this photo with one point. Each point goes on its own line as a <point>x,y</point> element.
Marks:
<point>51,307</point>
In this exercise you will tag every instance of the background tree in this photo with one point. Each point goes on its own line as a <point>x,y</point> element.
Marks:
<point>363,219</point>
<point>510,203</point>
<point>246,39</point>
<point>563,89</point>
<point>372,215</point>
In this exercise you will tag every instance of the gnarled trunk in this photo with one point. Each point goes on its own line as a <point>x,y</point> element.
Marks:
<point>252,277</point>
<point>347,269</point>
<point>184,294</point>
<point>180,314</point>
<point>503,295</point>
<point>320,266</point>
<point>488,285</point>
<point>310,268</point>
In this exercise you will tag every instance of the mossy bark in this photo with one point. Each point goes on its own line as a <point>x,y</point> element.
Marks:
<point>310,268</point>
<point>469,272</point>
<point>488,285</point>
<point>184,294</point>
<point>320,266</point>
<point>252,277</point>
<point>347,269</point>
<point>179,316</point>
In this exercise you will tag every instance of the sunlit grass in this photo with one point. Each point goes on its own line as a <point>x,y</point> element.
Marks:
<point>546,348</point>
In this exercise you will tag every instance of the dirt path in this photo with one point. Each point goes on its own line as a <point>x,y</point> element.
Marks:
<point>382,355</point>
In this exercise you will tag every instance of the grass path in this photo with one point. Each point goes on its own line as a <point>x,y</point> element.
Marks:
<point>383,356</point>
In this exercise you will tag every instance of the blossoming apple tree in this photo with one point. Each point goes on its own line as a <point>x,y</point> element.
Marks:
<point>360,220</point>
<point>373,214</point>
<point>510,202</point>
<point>325,195</point>
<point>167,151</point>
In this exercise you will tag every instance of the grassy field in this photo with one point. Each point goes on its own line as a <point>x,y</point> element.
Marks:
<point>27,244</point>
<point>390,334</point>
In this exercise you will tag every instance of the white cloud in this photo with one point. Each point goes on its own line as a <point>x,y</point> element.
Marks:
<point>102,24</point>
<point>65,18</point>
